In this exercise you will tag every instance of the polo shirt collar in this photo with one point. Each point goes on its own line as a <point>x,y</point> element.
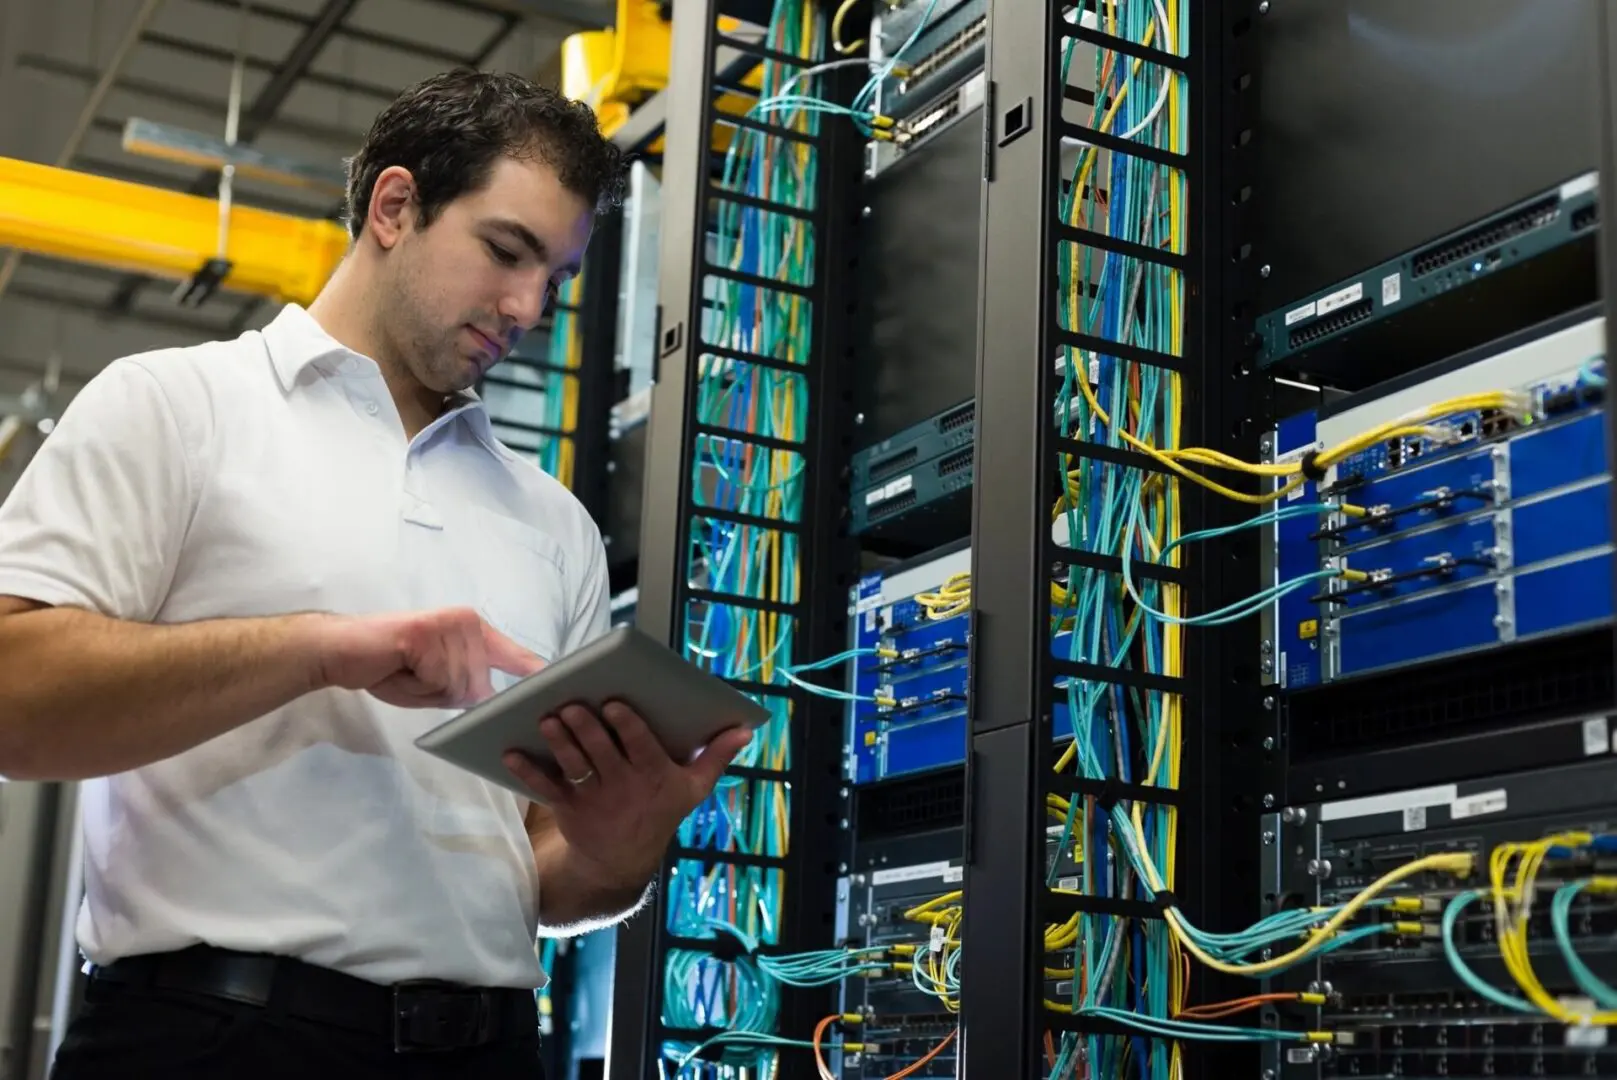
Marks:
<point>295,341</point>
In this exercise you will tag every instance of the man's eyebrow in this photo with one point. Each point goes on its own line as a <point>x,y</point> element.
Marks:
<point>522,233</point>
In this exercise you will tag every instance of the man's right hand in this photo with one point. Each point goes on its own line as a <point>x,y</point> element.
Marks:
<point>419,660</point>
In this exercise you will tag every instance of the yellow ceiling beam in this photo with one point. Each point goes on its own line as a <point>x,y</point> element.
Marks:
<point>91,219</point>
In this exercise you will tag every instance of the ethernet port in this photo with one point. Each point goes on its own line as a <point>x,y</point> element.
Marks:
<point>1495,422</point>
<point>1468,429</point>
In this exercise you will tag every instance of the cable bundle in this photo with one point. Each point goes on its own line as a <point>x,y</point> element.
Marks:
<point>746,560</point>
<point>1125,967</point>
<point>565,349</point>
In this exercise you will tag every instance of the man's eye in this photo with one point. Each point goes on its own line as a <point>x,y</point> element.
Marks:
<point>502,256</point>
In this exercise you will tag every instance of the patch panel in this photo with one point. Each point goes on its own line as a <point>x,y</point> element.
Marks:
<point>1484,528</point>
<point>1394,992</point>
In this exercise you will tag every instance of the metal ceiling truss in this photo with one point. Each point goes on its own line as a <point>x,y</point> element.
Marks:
<point>261,114</point>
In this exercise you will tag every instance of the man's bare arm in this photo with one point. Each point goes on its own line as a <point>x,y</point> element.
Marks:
<point>570,902</point>
<point>84,695</point>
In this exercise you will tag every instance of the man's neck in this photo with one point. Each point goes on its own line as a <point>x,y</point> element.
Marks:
<point>340,312</point>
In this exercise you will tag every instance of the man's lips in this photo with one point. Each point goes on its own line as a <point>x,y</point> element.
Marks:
<point>494,348</point>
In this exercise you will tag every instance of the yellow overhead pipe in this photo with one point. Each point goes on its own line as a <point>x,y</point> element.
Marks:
<point>91,219</point>
<point>616,69</point>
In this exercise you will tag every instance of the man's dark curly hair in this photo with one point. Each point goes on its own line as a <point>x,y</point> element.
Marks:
<point>451,129</point>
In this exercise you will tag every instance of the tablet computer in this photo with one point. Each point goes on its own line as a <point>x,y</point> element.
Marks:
<point>684,706</point>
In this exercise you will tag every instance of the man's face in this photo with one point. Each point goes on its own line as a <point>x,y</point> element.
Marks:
<point>458,294</point>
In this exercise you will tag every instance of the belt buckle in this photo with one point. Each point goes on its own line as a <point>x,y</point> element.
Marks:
<point>430,1016</point>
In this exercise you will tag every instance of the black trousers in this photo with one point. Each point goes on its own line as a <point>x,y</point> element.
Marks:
<point>127,1033</point>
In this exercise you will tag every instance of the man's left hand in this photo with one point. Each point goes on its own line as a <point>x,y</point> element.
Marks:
<point>618,801</point>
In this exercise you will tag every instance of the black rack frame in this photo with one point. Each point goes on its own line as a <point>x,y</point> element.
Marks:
<point>597,368</point>
<point>1607,45</point>
<point>1013,669</point>
<point>828,556</point>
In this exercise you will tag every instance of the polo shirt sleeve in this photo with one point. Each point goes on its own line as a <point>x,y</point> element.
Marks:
<point>592,610</point>
<point>98,517</point>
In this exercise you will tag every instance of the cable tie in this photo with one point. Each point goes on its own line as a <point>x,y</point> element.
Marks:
<point>1111,790</point>
<point>1164,900</point>
<point>727,948</point>
<point>1310,468</point>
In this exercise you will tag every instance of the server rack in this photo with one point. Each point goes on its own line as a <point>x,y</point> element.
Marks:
<point>704,67</point>
<point>1013,670</point>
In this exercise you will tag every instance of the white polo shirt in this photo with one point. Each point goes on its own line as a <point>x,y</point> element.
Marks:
<point>267,475</point>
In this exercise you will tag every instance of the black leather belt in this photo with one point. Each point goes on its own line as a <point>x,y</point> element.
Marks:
<point>417,1016</point>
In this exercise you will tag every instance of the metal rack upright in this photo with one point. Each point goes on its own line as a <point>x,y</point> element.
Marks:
<point>1020,458</point>
<point>685,496</point>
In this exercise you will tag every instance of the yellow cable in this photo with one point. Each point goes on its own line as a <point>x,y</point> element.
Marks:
<point>836,28</point>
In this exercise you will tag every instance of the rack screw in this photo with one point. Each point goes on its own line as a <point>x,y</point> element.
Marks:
<point>1268,1074</point>
<point>858,418</point>
<point>1294,815</point>
<point>1320,868</point>
<point>1268,742</point>
<point>1268,801</point>
<point>864,211</point>
<point>842,792</point>
<point>1266,444</point>
<point>1268,837</point>
<point>1264,270</point>
<point>1268,647</point>
<point>842,868</point>
<point>843,824</point>
<point>1263,7</point>
<point>1269,703</point>
<point>859,879</point>
<point>1268,667</point>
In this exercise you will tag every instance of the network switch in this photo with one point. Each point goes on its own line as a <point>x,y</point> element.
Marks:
<point>1418,984</point>
<point>1358,331</point>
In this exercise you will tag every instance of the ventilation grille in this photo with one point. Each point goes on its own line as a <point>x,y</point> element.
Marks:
<point>1537,680</point>
<point>961,417</point>
<point>889,465</point>
<point>893,506</point>
<point>1487,235</point>
<point>914,804</point>
<point>957,461</point>
<point>1340,319</point>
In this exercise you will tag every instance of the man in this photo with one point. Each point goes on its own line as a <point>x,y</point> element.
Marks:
<point>240,579</point>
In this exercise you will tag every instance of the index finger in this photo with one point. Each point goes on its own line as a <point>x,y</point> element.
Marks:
<point>508,656</point>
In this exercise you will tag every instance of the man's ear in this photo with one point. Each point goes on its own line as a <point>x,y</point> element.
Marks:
<point>392,211</point>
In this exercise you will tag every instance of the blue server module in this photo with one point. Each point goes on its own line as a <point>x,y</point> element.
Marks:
<point>1477,529</point>
<point>909,711</point>
<point>907,679</point>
